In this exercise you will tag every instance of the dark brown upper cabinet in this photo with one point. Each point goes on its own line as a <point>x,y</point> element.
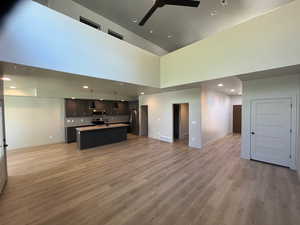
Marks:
<point>85,108</point>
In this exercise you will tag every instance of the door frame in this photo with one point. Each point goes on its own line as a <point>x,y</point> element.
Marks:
<point>294,126</point>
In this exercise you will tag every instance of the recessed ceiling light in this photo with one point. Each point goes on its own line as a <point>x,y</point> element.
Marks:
<point>122,100</point>
<point>73,97</point>
<point>12,87</point>
<point>134,20</point>
<point>85,87</point>
<point>232,90</point>
<point>170,36</point>
<point>220,85</point>
<point>151,31</point>
<point>142,93</point>
<point>6,79</point>
<point>101,99</point>
<point>224,2</point>
<point>213,13</point>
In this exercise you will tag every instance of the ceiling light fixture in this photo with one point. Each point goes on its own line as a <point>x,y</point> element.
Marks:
<point>6,79</point>
<point>170,36</point>
<point>101,99</point>
<point>213,13</point>
<point>232,90</point>
<point>142,93</point>
<point>224,3</point>
<point>151,31</point>
<point>73,97</point>
<point>85,87</point>
<point>134,20</point>
<point>12,87</point>
<point>220,85</point>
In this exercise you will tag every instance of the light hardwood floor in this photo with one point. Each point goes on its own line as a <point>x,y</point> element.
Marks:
<point>147,182</point>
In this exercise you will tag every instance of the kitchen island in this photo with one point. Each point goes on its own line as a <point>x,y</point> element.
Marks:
<point>94,136</point>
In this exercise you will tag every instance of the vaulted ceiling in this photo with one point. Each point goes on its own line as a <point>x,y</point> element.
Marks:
<point>173,27</point>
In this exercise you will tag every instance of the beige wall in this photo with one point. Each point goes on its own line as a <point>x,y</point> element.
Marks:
<point>263,43</point>
<point>32,121</point>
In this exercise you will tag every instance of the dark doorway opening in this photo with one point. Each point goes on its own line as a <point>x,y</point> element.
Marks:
<point>176,121</point>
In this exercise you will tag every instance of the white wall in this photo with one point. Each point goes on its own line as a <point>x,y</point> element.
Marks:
<point>263,43</point>
<point>160,114</point>
<point>274,87</point>
<point>57,42</point>
<point>184,121</point>
<point>76,10</point>
<point>32,121</point>
<point>216,115</point>
<point>236,100</point>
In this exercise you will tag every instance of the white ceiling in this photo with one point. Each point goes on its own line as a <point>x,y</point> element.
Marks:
<point>185,25</point>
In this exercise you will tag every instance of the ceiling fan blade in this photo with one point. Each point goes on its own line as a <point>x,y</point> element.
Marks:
<point>189,3</point>
<point>149,14</point>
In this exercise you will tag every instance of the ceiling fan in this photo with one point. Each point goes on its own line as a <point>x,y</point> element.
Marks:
<point>162,3</point>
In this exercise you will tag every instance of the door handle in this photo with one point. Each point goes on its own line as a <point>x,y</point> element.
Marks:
<point>253,133</point>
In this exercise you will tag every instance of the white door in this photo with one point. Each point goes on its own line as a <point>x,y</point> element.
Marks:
<point>271,131</point>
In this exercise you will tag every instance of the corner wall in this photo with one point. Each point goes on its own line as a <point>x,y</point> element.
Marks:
<point>276,87</point>
<point>160,114</point>
<point>216,114</point>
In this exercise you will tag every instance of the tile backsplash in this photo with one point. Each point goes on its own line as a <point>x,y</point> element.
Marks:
<point>82,121</point>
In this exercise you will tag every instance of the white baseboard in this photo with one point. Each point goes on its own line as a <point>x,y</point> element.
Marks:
<point>166,139</point>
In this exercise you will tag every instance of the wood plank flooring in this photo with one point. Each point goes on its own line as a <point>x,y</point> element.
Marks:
<point>147,182</point>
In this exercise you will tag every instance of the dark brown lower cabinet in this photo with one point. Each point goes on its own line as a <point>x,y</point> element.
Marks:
<point>70,133</point>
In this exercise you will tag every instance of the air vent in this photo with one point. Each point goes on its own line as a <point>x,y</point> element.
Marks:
<point>90,23</point>
<point>115,34</point>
